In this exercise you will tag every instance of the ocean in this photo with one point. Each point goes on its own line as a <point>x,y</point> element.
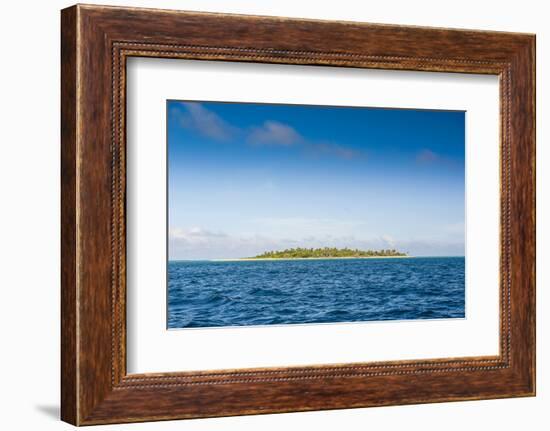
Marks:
<point>274,292</point>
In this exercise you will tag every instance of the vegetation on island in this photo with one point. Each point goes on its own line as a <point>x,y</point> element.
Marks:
<point>330,252</point>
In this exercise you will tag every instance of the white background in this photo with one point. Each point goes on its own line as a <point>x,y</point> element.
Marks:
<point>29,227</point>
<point>151,348</point>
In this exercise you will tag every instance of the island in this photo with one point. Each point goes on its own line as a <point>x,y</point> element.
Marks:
<point>327,253</point>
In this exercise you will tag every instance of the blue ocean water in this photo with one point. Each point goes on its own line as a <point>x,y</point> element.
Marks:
<point>210,294</point>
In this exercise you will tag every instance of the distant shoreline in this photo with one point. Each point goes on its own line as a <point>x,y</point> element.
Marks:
<point>247,259</point>
<point>255,259</point>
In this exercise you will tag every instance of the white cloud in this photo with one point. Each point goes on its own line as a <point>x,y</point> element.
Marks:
<point>389,240</point>
<point>196,117</point>
<point>427,156</point>
<point>198,243</point>
<point>194,235</point>
<point>274,133</point>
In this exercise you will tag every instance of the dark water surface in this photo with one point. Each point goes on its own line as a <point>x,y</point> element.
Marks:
<point>207,294</point>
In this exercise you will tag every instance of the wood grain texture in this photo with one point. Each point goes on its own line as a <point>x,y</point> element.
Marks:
<point>96,41</point>
<point>69,367</point>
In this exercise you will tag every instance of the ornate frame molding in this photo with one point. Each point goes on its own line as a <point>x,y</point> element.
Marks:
<point>96,41</point>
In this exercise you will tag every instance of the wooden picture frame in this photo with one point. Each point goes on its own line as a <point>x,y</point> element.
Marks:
<point>95,43</point>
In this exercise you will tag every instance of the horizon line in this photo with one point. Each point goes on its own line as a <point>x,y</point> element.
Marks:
<point>213,259</point>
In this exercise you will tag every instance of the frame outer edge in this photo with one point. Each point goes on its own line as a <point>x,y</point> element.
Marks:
<point>523,178</point>
<point>533,54</point>
<point>69,202</point>
<point>532,101</point>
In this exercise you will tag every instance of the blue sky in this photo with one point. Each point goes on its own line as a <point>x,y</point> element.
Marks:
<point>245,178</point>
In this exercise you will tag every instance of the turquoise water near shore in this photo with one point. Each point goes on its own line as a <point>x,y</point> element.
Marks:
<point>241,293</point>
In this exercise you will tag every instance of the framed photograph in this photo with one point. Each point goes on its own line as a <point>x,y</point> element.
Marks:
<point>267,215</point>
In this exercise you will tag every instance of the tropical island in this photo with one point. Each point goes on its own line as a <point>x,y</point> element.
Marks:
<point>327,253</point>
